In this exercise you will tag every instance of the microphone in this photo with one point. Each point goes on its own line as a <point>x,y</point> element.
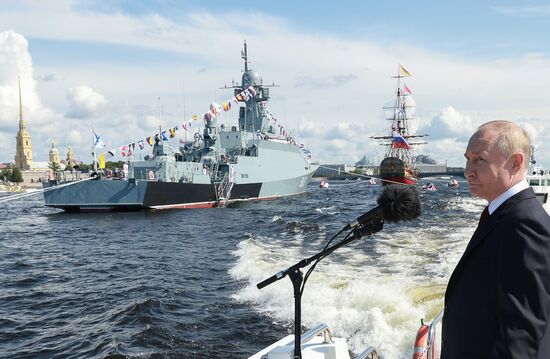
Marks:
<point>395,203</point>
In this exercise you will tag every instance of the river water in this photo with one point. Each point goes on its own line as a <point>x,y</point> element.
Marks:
<point>182,283</point>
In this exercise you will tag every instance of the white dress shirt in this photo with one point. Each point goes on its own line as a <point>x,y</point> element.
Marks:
<point>515,189</point>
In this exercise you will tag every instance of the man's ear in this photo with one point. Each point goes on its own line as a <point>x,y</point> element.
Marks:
<point>517,162</point>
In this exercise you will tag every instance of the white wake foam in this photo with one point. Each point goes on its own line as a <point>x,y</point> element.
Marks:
<point>372,294</point>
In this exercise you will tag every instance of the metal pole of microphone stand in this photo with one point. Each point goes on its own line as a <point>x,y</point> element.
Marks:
<point>296,277</point>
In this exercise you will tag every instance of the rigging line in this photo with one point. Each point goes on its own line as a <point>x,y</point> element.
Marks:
<point>41,191</point>
<point>367,177</point>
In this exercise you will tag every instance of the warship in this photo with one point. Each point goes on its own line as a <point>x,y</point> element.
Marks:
<point>398,163</point>
<point>251,160</point>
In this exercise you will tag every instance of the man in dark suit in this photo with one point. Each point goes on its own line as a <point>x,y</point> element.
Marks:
<point>497,303</point>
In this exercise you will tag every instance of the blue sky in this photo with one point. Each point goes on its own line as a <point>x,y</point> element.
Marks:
<point>106,63</point>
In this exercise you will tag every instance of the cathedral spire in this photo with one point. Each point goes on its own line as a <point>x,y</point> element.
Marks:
<point>23,152</point>
<point>21,121</point>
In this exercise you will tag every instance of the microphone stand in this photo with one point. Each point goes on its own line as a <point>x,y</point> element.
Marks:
<point>296,276</point>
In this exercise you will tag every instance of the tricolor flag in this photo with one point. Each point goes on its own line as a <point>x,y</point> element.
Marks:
<point>399,141</point>
<point>407,89</point>
<point>226,106</point>
<point>403,72</point>
<point>149,140</point>
<point>141,144</point>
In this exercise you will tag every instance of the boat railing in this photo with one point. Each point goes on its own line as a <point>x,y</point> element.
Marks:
<point>67,176</point>
<point>315,331</point>
<point>433,341</point>
<point>322,329</point>
<point>369,353</point>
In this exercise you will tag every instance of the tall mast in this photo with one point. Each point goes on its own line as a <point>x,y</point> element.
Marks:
<point>160,120</point>
<point>184,111</point>
<point>93,148</point>
<point>244,56</point>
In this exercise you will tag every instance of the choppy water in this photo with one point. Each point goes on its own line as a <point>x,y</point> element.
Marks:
<point>182,284</point>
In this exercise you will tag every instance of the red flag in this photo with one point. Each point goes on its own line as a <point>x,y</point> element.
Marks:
<point>407,89</point>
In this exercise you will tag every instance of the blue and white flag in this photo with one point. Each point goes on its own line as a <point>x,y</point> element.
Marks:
<point>97,141</point>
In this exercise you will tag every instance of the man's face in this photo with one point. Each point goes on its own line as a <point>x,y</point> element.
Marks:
<point>488,171</point>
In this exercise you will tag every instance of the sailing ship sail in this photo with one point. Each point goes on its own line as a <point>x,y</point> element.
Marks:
<point>398,163</point>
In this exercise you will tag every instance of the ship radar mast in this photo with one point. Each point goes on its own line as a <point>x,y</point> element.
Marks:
<point>253,107</point>
<point>244,56</point>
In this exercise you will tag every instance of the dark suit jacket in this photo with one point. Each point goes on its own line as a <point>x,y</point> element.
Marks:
<point>497,303</point>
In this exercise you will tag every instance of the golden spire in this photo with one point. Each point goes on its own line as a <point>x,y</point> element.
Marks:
<point>21,121</point>
<point>23,154</point>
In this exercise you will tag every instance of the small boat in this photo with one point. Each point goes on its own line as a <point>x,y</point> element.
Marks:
<point>453,183</point>
<point>323,184</point>
<point>429,187</point>
<point>398,163</point>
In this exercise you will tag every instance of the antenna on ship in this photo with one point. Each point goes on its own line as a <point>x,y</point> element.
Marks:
<point>244,56</point>
<point>160,119</point>
<point>93,148</point>
<point>184,111</point>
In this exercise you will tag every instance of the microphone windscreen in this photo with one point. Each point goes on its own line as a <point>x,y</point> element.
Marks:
<point>399,203</point>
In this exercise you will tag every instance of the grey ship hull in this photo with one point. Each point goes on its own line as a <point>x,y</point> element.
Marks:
<point>128,195</point>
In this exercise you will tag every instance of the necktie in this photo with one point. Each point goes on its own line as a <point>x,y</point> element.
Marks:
<point>484,215</point>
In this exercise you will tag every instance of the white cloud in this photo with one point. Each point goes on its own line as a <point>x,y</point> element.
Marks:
<point>84,102</point>
<point>16,66</point>
<point>450,150</point>
<point>449,124</point>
